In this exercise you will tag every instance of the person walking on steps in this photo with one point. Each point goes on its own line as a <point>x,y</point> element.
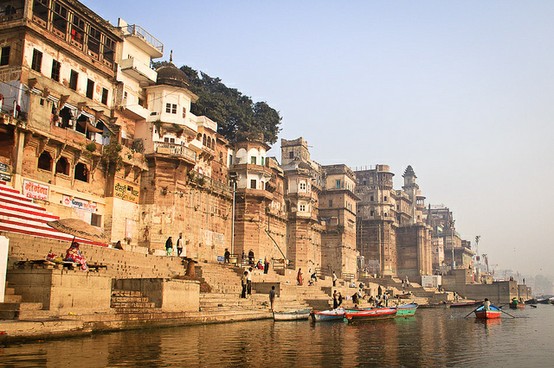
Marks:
<point>169,246</point>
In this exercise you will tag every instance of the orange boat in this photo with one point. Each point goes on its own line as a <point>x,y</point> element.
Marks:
<point>492,313</point>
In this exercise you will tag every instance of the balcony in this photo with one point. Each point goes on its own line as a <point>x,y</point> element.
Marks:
<point>138,71</point>
<point>172,149</point>
<point>144,40</point>
<point>134,110</point>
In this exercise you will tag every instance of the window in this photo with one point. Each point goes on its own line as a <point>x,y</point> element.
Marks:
<point>93,42</point>
<point>81,172</point>
<point>77,29</point>
<point>104,96</point>
<point>302,186</point>
<point>184,112</point>
<point>337,184</point>
<point>55,74</point>
<point>45,161</point>
<point>253,184</point>
<point>262,161</point>
<point>291,155</point>
<point>40,11</point>
<point>62,166</point>
<point>371,199</point>
<point>372,213</point>
<point>330,203</point>
<point>96,220</point>
<point>385,198</point>
<point>169,140</point>
<point>253,160</point>
<point>36,63</point>
<point>59,20</point>
<point>5,56</point>
<point>73,78</point>
<point>109,47</point>
<point>302,208</point>
<point>171,108</point>
<point>90,88</point>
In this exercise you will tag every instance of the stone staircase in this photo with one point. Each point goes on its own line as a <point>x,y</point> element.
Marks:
<point>131,302</point>
<point>14,308</point>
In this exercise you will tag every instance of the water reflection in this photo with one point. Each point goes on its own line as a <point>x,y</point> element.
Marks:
<point>432,338</point>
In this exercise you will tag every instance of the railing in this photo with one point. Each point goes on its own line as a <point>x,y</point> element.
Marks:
<point>174,149</point>
<point>141,33</point>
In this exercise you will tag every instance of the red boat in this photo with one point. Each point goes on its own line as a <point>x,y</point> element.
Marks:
<point>493,312</point>
<point>369,314</point>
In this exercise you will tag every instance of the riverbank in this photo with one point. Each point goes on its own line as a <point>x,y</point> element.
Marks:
<point>82,325</point>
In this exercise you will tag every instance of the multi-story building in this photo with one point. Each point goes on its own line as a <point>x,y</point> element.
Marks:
<point>376,227</point>
<point>337,208</point>
<point>302,188</point>
<point>58,70</point>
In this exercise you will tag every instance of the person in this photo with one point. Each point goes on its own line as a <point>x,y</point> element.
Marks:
<point>334,279</point>
<point>299,277</point>
<point>407,282</point>
<point>226,256</point>
<point>244,282</point>
<point>249,281</point>
<point>260,266</point>
<point>386,299</point>
<point>335,300</point>
<point>339,298</point>
<point>313,277</point>
<point>487,304</point>
<point>251,257</point>
<point>73,254</point>
<point>266,265</point>
<point>514,302</point>
<point>169,246</point>
<point>272,297</point>
<point>118,245</point>
<point>180,245</point>
<point>379,291</point>
<point>243,257</point>
<point>355,298</point>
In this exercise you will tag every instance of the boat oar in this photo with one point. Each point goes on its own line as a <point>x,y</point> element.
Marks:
<point>471,312</point>
<point>507,313</point>
<point>532,306</point>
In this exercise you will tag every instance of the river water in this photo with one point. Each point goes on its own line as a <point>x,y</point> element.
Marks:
<point>432,338</point>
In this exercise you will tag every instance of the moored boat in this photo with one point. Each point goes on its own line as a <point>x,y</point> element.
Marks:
<point>406,310</point>
<point>517,306</point>
<point>328,315</point>
<point>491,313</point>
<point>292,315</point>
<point>470,303</point>
<point>369,314</point>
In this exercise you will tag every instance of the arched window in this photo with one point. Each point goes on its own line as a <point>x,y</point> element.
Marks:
<point>204,139</point>
<point>81,172</point>
<point>62,166</point>
<point>67,115</point>
<point>45,161</point>
<point>213,144</point>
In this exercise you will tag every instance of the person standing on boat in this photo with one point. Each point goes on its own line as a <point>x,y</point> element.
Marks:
<point>339,300</point>
<point>272,297</point>
<point>335,300</point>
<point>487,304</point>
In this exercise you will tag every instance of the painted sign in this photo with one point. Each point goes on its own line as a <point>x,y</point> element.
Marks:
<point>126,191</point>
<point>79,203</point>
<point>5,172</point>
<point>35,190</point>
<point>4,168</point>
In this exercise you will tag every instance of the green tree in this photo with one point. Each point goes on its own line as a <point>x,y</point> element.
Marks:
<point>237,116</point>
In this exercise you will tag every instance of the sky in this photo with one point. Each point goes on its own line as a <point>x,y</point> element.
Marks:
<point>461,90</point>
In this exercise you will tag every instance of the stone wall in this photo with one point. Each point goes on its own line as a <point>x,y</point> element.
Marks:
<point>63,291</point>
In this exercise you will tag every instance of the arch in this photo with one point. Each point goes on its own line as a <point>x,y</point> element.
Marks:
<point>45,161</point>
<point>81,172</point>
<point>62,166</point>
<point>203,139</point>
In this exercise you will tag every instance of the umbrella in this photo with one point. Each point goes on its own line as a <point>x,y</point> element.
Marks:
<point>79,228</point>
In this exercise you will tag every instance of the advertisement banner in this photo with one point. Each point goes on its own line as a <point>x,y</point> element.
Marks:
<point>35,190</point>
<point>79,203</point>
<point>126,191</point>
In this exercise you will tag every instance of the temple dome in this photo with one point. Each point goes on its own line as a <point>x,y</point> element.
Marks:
<point>171,75</point>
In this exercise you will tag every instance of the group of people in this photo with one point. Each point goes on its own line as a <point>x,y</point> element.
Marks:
<point>246,283</point>
<point>180,246</point>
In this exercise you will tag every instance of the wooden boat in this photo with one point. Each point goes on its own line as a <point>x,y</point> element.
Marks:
<point>517,306</point>
<point>292,315</point>
<point>328,315</point>
<point>493,312</point>
<point>406,310</point>
<point>369,314</point>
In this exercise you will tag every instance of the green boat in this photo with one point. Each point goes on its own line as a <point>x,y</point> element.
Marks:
<point>406,310</point>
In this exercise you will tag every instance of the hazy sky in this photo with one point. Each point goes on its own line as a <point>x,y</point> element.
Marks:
<point>460,90</point>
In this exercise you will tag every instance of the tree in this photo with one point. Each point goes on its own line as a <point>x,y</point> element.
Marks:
<point>236,115</point>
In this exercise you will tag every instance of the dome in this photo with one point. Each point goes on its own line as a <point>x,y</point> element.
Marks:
<point>171,75</point>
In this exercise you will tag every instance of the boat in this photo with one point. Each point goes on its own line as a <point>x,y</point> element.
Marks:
<point>369,314</point>
<point>406,310</point>
<point>516,305</point>
<point>328,315</point>
<point>493,312</point>
<point>292,315</point>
